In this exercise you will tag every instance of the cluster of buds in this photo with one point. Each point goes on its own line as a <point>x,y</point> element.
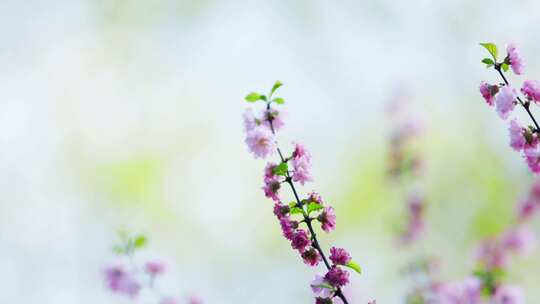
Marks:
<point>296,218</point>
<point>493,259</point>
<point>504,97</point>
<point>126,277</point>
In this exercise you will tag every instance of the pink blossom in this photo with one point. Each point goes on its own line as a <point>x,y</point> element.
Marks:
<point>531,89</point>
<point>120,281</point>
<point>281,210</point>
<point>274,116</point>
<point>318,290</point>
<point>271,182</point>
<point>488,92</point>
<point>491,254</point>
<point>271,188</point>
<point>507,295</point>
<point>154,267</point>
<point>315,197</point>
<point>504,101</point>
<point>337,277</point>
<point>250,121</point>
<point>532,156</point>
<point>261,142</point>
<point>327,219</point>
<point>468,291</point>
<point>339,256</point>
<point>287,227</point>
<point>471,290</point>
<point>520,240</point>
<point>301,162</point>
<point>534,192</point>
<point>514,59</point>
<point>517,138</point>
<point>300,240</point>
<point>526,209</point>
<point>195,300</point>
<point>311,257</point>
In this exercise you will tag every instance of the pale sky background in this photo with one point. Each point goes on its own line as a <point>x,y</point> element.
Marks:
<point>97,97</point>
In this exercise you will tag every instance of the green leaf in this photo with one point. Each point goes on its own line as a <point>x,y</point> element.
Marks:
<point>324,285</point>
<point>354,266</point>
<point>254,96</point>
<point>314,207</point>
<point>140,241</point>
<point>488,61</point>
<point>292,204</point>
<point>296,210</point>
<point>281,169</point>
<point>277,84</point>
<point>279,100</point>
<point>492,49</point>
<point>505,67</point>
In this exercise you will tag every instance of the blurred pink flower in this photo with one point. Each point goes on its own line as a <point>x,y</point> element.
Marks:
<point>520,240</point>
<point>327,219</point>
<point>271,182</point>
<point>507,295</point>
<point>301,162</point>
<point>195,300</point>
<point>531,89</point>
<point>526,209</point>
<point>276,116</point>
<point>120,281</point>
<point>532,156</point>
<point>154,267</point>
<point>504,101</point>
<point>517,138</point>
<point>491,254</point>
<point>250,121</point>
<point>488,92</point>
<point>514,58</point>
<point>318,290</point>
<point>261,142</point>
<point>415,224</point>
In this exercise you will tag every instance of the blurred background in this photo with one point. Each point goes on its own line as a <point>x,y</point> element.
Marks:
<point>127,115</point>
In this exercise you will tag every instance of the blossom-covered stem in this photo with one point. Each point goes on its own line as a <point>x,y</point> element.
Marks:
<point>524,104</point>
<point>307,219</point>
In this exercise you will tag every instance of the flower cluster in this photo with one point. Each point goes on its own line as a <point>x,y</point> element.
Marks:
<point>128,278</point>
<point>493,258</point>
<point>296,218</point>
<point>504,97</point>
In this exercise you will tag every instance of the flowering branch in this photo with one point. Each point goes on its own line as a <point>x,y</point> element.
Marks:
<point>129,279</point>
<point>505,98</point>
<point>493,259</point>
<point>261,140</point>
<point>404,161</point>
